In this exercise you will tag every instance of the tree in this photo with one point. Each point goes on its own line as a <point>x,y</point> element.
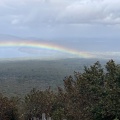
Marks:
<point>38,102</point>
<point>8,108</point>
<point>94,94</point>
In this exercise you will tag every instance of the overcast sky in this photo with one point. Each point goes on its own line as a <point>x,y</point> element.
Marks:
<point>61,19</point>
<point>95,18</point>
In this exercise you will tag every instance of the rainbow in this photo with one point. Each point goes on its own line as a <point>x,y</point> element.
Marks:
<point>37,44</point>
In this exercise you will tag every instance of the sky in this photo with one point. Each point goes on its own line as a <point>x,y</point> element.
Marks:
<point>83,25</point>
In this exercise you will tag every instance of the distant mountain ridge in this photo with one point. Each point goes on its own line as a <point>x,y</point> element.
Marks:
<point>100,47</point>
<point>9,37</point>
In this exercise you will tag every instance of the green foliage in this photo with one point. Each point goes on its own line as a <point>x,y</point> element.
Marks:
<point>93,94</point>
<point>38,102</point>
<point>18,77</point>
<point>58,114</point>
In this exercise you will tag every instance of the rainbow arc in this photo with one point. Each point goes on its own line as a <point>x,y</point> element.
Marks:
<point>34,44</point>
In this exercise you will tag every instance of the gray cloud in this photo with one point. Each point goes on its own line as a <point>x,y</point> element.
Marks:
<point>68,20</point>
<point>34,13</point>
<point>59,17</point>
<point>92,12</point>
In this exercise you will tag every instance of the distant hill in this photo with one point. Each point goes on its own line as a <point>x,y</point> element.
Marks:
<point>8,37</point>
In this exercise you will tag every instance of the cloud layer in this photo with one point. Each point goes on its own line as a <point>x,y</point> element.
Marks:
<point>49,18</point>
<point>68,20</point>
<point>38,12</point>
<point>35,13</point>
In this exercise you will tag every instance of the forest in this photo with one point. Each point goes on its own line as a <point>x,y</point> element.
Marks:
<point>90,94</point>
<point>18,77</point>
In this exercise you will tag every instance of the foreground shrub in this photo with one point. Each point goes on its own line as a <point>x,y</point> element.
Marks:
<point>8,108</point>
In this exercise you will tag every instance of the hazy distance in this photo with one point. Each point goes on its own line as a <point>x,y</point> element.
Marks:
<point>81,25</point>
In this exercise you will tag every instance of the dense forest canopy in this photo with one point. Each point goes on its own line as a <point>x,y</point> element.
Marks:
<point>20,76</point>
